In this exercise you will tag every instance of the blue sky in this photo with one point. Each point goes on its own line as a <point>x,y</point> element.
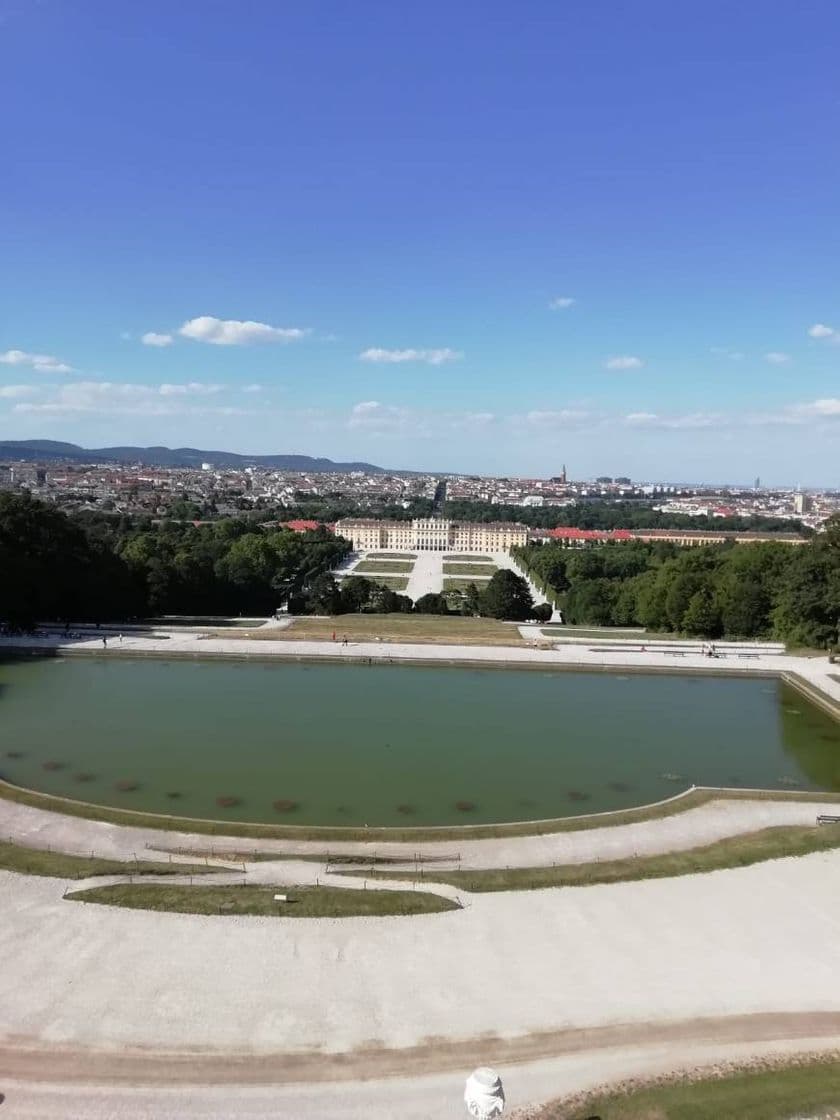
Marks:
<point>490,237</point>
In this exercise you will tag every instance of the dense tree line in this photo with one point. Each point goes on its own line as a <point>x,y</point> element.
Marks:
<point>98,567</point>
<point>51,568</point>
<point>612,515</point>
<point>506,596</point>
<point>758,590</point>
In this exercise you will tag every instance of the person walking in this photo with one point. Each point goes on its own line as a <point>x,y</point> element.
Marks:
<point>104,642</point>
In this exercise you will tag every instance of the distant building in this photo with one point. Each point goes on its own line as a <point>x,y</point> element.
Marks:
<point>802,503</point>
<point>431,534</point>
<point>571,537</point>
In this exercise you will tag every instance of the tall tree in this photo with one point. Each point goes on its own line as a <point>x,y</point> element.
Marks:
<point>507,595</point>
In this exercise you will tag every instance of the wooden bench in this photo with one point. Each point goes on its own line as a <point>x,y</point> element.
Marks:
<point>280,898</point>
<point>826,818</point>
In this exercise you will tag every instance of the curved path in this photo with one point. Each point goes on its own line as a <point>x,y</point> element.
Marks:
<point>689,828</point>
<point>39,1085</point>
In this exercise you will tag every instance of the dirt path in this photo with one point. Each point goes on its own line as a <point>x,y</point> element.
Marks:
<point>36,1062</point>
<point>424,1083</point>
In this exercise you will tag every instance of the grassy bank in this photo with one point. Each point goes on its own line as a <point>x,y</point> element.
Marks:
<point>336,834</point>
<point>735,851</point>
<point>33,861</point>
<point>432,629</point>
<point>302,902</point>
<point>807,1088</point>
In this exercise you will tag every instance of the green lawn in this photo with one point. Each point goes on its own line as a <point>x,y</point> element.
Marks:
<point>735,851</point>
<point>636,637</point>
<point>395,583</point>
<point>383,567</point>
<point>34,861</point>
<point>456,569</point>
<point>803,1089</point>
<point>468,557</point>
<point>461,583</point>
<point>303,902</point>
<point>391,556</point>
<point>424,628</point>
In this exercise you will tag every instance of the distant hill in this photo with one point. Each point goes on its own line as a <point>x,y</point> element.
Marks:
<point>42,449</point>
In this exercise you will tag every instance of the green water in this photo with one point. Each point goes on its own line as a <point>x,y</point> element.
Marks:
<point>353,745</point>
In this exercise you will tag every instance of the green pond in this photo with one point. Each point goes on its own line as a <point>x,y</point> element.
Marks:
<point>390,745</point>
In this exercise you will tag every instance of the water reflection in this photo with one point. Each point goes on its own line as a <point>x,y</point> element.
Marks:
<point>811,738</point>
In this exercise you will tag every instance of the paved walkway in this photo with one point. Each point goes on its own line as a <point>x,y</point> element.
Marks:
<point>815,670</point>
<point>40,828</point>
<point>426,576</point>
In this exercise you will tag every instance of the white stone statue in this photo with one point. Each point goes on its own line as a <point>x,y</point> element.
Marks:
<point>484,1095</point>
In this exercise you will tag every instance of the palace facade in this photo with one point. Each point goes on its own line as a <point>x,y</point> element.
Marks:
<point>431,534</point>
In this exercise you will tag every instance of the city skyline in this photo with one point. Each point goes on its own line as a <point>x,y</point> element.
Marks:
<point>482,246</point>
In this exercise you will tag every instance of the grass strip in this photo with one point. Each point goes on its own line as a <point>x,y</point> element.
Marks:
<point>391,556</point>
<point>34,861</point>
<point>456,569</point>
<point>302,902</point>
<point>734,851</point>
<point>806,1087</point>
<point>382,567</point>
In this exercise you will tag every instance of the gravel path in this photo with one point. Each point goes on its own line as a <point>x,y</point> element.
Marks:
<point>761,939</point>
<point>434,1096</point>
<point>40,828</point>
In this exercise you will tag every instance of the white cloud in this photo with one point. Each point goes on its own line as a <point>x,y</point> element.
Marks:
<point>43,363</point>
<point>820,330</point>
<point>434,357</point>
<point>15,392</point>
<point>561,303</point>
<point>690,420</point>
<point>557,418</point>
<point>623,361</point>
<point>189,388</point>
<point>237,332</point>
<point>826,407</point>
<point>153,338</point>
<point>375,416</point>
<point>252,389</point>
<point>724,352</point>
<point>126,399</point>
<point>776,358</point>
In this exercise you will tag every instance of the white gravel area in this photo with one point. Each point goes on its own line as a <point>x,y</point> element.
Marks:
<point>758,939</point>
<point>426,575</point>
